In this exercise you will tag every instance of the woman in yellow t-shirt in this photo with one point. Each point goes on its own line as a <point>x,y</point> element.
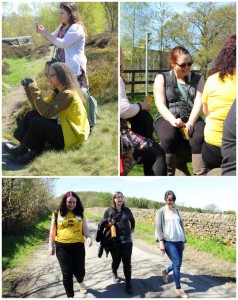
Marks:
<point>67,233</point>
<point>218,95</point>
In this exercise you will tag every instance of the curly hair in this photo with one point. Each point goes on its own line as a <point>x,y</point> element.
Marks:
<point>67,77</point>
<point>78,210</point>
<point>113,205</point>
<point>225,62</point>
<point>175,53</point>
<point>73,12</point>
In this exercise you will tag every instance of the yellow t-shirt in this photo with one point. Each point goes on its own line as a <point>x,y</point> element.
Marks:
<point>69,228</point>
<point>218,96</point>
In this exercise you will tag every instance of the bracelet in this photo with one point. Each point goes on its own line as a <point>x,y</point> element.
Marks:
<point>140,106</point>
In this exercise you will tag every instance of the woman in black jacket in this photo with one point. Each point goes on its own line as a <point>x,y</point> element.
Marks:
<point>121,217</point>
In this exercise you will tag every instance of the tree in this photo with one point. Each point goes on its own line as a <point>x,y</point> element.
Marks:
<point>111,11</point>
<point>212,207</point>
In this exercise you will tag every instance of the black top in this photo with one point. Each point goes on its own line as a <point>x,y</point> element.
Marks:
<point>124,220</point>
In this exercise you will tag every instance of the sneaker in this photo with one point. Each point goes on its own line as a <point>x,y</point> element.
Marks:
<point>27,158</point>
<point>129,289</point>
<point>165,277</point>
<point>16,150</point>
<point>181,293</point>
<point>115,278</point>
<point>82,288</point>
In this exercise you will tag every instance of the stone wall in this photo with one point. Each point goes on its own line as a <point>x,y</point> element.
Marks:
<point>17,41</point>
<point>202,225</point>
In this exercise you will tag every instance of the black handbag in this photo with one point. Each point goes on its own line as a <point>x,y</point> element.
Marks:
<point>49,63</point>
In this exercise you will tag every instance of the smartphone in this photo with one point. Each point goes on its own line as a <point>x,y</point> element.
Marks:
<point>36,24</point>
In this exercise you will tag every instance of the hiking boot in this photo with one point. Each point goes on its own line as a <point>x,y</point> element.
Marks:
<point>115,278</point>
<point>82,288</point>
<point>165,277</point>
<point>129,289</point>
<point>181,293</point>
<point>16,150</point>
<point>27,158</point>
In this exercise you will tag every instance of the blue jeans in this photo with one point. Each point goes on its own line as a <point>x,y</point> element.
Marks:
<point>174,250</point>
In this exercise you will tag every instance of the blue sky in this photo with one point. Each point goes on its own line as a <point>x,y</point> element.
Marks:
<point>190,191</point>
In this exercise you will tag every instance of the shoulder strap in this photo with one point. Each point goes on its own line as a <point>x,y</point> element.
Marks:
<point>56,218</point>
<point>185,96</point>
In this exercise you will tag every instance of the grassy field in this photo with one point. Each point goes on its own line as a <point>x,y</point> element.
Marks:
<point>98,156</point>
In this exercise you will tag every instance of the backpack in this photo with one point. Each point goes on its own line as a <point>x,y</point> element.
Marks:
<point>91,108</point>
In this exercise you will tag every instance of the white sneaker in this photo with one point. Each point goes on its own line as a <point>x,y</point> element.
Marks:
<point>82,288</point>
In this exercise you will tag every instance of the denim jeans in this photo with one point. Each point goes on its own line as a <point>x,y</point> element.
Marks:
<point>71,258</point>
<point>174,250</point>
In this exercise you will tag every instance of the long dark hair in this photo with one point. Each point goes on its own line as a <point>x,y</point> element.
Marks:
<point>225,62</point>
<point>67,78</point>
<point>113,205</point>
<point>78,210</point>
<point>74,14</point>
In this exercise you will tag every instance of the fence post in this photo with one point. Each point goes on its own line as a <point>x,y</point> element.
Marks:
<point>132,84</point>
<point>146,62</point>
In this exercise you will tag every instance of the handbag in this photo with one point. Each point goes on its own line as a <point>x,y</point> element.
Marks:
<point>50,62</point>
<point>132,147</point>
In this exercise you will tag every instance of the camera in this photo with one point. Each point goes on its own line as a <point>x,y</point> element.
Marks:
<point>183,117</point>
<point>26,81</point>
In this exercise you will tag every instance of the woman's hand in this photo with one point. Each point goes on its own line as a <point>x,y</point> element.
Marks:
<point>189,127</point>
<point>178,123</point>
<point>52,250</point>
<point>145,106</point>
<point>161,246</point>
<point>40,29</point>
<point>89,241</point>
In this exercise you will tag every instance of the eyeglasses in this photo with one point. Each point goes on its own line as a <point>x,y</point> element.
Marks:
<point>170,200</point>
<point>50,75</point>
<point>182,66</point>
<point>119,197</point>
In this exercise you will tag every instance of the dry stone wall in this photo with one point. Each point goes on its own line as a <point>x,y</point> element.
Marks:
<point>202,225</point>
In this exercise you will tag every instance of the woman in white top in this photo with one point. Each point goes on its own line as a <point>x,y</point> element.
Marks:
<point>69,38</point>
<point>171,236</point>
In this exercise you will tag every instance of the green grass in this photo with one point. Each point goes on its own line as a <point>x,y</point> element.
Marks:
<point>20,68</point>
<point>18,249</point>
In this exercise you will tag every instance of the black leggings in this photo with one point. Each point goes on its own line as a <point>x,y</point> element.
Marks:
<point>71,258</point>
<point>34,130</point>
<point>211,156</point>
<point>142,123</point>
<point>170,136</point>
<point>121,252</point>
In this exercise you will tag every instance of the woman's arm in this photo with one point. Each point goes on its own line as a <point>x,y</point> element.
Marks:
<point>197,106</point>
<point>74,33</point>
<point>52,237</point>
<point>128,110</point>
<point>86,233</point>
<point>160,101</point>
<point>48,110</point>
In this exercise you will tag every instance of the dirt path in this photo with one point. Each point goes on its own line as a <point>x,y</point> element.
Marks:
<point>10,104</point>
<point>41,278</point>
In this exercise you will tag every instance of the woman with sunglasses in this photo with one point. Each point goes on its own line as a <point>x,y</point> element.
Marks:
<point>178,97</point>
<point>169,232</point>
<point>67,237</point>
<point>69,38</point>
<point>120,218</point>
<point>60,119</point>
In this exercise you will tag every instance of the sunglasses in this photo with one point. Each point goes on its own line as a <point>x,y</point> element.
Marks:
<point>182,66</point>
<point>170,200</point>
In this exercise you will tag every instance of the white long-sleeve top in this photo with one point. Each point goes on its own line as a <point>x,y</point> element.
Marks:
<point>73,44</point>
<point>127,110</point>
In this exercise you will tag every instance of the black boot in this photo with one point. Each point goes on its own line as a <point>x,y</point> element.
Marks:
<point>27,158</point>
<point>18,150</point>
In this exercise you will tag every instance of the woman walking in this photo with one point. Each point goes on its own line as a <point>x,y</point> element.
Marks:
<point>171,236</point>
<point>67,233</point>
<point>121,217</point>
